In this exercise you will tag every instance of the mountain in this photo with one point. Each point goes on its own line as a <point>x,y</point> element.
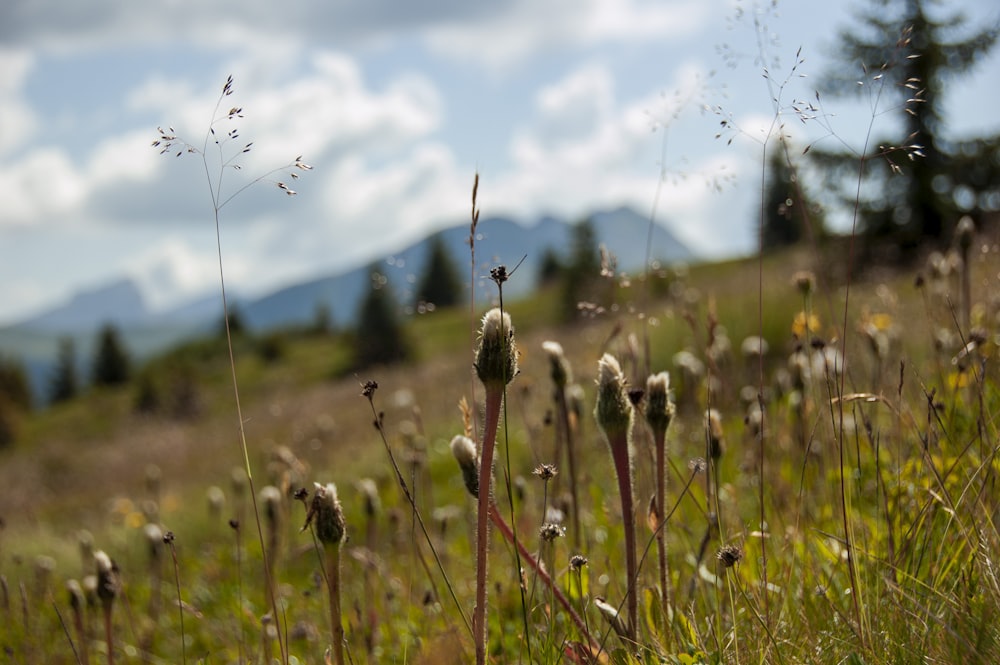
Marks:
<point>498,240</point>
<point>120,301</point>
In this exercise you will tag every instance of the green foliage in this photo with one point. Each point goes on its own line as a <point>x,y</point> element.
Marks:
<point>920,181</point>
<point>440,284</point>
<point>64,384</point>
<point>380,338</point>
<point>111,366</point>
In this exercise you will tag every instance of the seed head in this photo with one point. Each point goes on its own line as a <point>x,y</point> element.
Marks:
<point>804,281</point>
<point>331,529</point>
<point>562,373</point>
<point>660,408</point>
<point>713,429</point>
<point>546,471</point>
<point>496,358</point>
<point>614,411</point>
<point>464,450</point>
<point>577,561</point>
<point>550,531</point>
<point>729,555</point>
<point>107,577</point>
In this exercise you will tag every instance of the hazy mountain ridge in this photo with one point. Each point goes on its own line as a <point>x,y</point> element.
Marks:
<point>498,240</point>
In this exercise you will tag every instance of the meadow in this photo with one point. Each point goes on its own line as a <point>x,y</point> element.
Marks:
<point>830,485</point>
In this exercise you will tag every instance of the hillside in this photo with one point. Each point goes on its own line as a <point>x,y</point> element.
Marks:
<point>88,465</point>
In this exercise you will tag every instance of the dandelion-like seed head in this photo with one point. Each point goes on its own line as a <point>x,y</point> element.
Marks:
<point>546,471</point>
<point>562,373</point>
<point>326,511</point>
<point>577,561</point>
<point>107,577</point>
<point>496,357</point>
<point>464,451</point>
<point>660,408</point>
<point>614,410</point>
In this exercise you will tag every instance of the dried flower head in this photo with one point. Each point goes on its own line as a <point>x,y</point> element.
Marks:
<point>76,598</point>
<point>804,281</point>
<point>577,561</point>
<point>713,430</point>
<point>464,450</point>
<point>559,367</point>
<point>496,357</point>
<point>546,471</point>
<point>729,555</point>
<point>698,465</point>
<point>369,493</point>
<point>660,408</point>
<point>326,511</point>
<point>107,578</point>
<point>613,411</point>
<point>550,531</point>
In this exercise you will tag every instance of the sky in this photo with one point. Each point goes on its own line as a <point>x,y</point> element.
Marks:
<point>561,106</point>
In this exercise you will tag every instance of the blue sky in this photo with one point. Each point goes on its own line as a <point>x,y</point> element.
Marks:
<point>563,106</point>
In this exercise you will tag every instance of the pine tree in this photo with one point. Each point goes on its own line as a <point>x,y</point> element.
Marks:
<point>912,56</point>
<point>379,338</point>
<point>111,362</point>
<point>440,284</point>
<point>787,208</point>
<point>582,269</point>
<point>65,384</point>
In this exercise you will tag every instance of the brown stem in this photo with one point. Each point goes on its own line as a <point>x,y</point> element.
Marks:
<point>494,399</point>
<point>623,469</point>
<point>563,410</point>
<point>661,537</point>
<point>333,587</point>
<point>108,633</point>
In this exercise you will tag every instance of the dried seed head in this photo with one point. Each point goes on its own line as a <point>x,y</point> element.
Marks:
<point>369,493</point>
<point>697,465</point>
<point>729,555</point>
<point>270,498</point>
<point>964,231</point>
<point>804,281</point>
<point>154,540</point>
<point>562,373</point>
<point>660,408</point>
<point>331,529</point>
<point>107,577</point>
<point>464,450</point>
<point>550,531</point>
<point>76,597</point>
<point>613,411</point>
<point>713,430</point>
<point>577,561</point>
<point>546,471</point>
<point>496,358</point>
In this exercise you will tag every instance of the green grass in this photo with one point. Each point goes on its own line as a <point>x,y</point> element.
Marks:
<point>919,488</point>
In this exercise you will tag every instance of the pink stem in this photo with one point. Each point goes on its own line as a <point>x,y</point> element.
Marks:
<point>494,400</point>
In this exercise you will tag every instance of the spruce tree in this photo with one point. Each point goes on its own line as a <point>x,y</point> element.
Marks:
<point>787,208</point>
<point>440,284</point>
<point>909,55</point>
<point>65,384</point>
<point>582,269</point>
<point>379,338</point>
<point>111,362</point>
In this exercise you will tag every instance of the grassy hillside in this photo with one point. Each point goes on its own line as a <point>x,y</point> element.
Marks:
<point>859,513</point>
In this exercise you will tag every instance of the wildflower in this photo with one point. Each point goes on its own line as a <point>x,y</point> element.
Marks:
<point>496,358</point>
<point>546,471</point>
<point>713,430</point>
<point>577,561</point>
<point>660,408</point>
<point>559,367</point>
<point>328,515</point>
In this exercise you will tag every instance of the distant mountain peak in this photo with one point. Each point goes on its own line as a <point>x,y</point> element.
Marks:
<point>119,302</point>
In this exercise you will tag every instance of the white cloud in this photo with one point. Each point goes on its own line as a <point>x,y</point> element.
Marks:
<point>19,123</point>
<point>173,270</point>
<point>529,28</point>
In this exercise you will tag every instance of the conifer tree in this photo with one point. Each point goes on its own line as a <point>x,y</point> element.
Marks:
<point>65,384</point>
<point>440,284</point>
<point>111,362</point>
<point>380,338</point>
<point>910,54</point>
<point>582,268</point>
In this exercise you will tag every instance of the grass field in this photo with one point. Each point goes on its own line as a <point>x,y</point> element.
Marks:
<point>856,521</point>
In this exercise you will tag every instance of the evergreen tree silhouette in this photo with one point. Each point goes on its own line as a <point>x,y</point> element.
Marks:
<point>111,362</point>
<point>379,337</point>
<point>440,284</point>
<point>65,383</point>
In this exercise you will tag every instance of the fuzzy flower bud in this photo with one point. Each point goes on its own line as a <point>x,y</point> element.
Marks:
<point>716,438</point>
<point>562,373</point>
<point>614,409</point>
<point>464,450</point>
<point>107,577</point>
<point>660,407</point>
<point>331,529</point>
<point>496,357</point>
